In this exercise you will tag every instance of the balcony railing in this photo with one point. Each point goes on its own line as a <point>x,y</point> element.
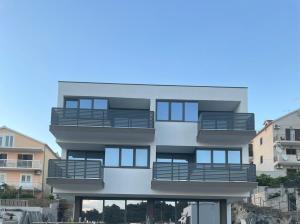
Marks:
<point>21,164</point>
<point>102,118</point>
<point>166,171</point>
<point>24,185</point>
<point>226,121</point>
<point>75,169</point>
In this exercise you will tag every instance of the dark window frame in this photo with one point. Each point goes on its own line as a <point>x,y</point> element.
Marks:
<point>291,151</point>
<point>261,159</point>
<point>134,156</point>
<point>170,111</point>
<point>221,149</point>
<point>74,98</point>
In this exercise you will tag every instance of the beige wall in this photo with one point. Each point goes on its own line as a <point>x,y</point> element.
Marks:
<point>266,150</point>
<point>43,155</point>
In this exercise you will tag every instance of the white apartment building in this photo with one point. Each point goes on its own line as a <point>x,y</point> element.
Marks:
<point>137,153</point>
<point>276,148</point>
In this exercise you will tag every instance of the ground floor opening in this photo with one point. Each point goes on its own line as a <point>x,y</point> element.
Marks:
<point>173,211</point>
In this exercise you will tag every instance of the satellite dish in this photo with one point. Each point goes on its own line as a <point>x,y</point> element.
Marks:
<point>284,157</point>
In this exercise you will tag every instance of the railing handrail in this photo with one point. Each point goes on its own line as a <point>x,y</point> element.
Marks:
<point>19,163</point>
<point>226,121</point>
<point>102,117</point>
<point>204,172</point>
<point>75,169</point>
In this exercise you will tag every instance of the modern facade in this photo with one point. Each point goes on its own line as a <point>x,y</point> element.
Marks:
<point>135,153</point>
<point>276,148</point>
<point>24,162</point>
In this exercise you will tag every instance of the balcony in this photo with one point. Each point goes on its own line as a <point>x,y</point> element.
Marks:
<point>75,173</point>
<point>225,127</point>
<point>30,186</point>
<point>12,164</point>
<point>195,175</point>
<point>102,125</point>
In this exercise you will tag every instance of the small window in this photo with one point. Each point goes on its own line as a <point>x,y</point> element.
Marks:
<point>26,178</point>
<point>112,157</point>
<point>162,111</point>
<point>85,103</point>
<point>25,156</point>
<point>176,111</point>
<point>234,156</point>
<point>126,157</point>
<point>291,151</point>
<point>261,159</point>
<point>3,156</point>
<point>100,104</point>
<point>2,178</point>
<point>190,111</point>
<point>7,141</point>
<point>219,156</point>
<point>141,157</point>
<point>261,141</point>
<point>203,156</point>
<point>71,103</point>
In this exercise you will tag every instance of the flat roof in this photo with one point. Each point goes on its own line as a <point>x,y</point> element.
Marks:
<point>148,84</point>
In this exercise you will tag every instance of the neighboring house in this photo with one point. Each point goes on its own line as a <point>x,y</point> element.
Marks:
<point>137,153</point>
<point>24,161</point>
<point>276,148</point>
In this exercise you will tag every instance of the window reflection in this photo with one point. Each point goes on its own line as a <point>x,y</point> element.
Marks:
<point>141,157</point>
<point>127,157</point>
<point>234,157</point>
<point>203,156</point>
<point>219,156</point>
<point>111,156</point>
<point>162,111</point>
<point>92,210</point>
<point>190,111</point>
<point>176,111</point>
<point>136,211</point>
<point>85,103</point>
<point>71,103</point>
<point>114,211</point>
<point>164,212</point>
<point>186,212</point>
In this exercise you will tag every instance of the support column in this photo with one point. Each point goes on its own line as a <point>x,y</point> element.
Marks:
<point>150,211</point>
<point>77,209</point>
<point>223,212</point>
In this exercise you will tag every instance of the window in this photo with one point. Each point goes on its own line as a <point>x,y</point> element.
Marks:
<point>114,211</point>
<point>261,141</point>
<point>126,157</point>
<point>86,103</point>
<point>219,156</point>
<point>203,156</point>
<point>100,104</point>
<point>3,156</point>
<point>92,210</point>
<point>162,111</point>
<point>173,157</point>
<point>191,111</point>
<point>71,103</point>
<point>6,141</point>
<point>234,157</point>
<point>176,111</point>
<point>25,156</point>
<point>291,151</point>
<point>261,159</point>
<point>141,157</point>
<point>112,157</point>
<point>2,178</point>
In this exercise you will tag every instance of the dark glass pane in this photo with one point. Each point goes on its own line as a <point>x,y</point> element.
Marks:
<point>3,156</point>
<point>180,160</point>
<point>136,211</point>
<point>164,211</point>
<point>234,157</point>
<point>176,111</point>
<point>71,103</point>
<point>126,157</point>
<point>114,211</point>
<point>209,212</point>
<point>85,103</point>
<point>164,157</point>
<point>191,111</point>
<point>163,160</point>
<point>76,155</point>
<point>100,104</point>
<point>98,156</point>
<point>141,157</point>
<point>219,156</point>
<point>203,156</point>
<point>186,212</point>
<point>92,210</point>
<point>162,111</point>
<point>112,157</point>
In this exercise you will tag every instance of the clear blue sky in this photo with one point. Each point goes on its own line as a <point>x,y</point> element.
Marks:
<point>253,43</point>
